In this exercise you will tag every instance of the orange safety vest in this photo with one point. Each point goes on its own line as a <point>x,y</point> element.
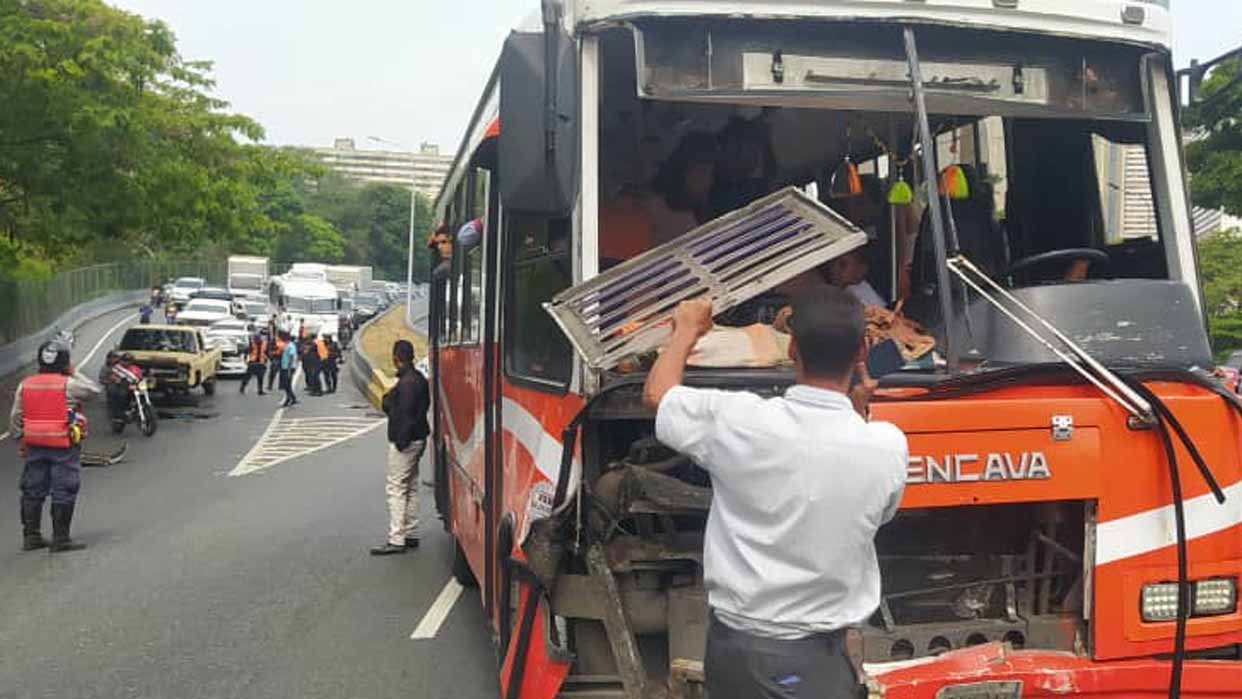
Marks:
<point>257,351</point>
<point>45,412</point>
<point>322,348</point>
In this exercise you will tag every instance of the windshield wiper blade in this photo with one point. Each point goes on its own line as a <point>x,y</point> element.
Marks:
<point>1069,352</point>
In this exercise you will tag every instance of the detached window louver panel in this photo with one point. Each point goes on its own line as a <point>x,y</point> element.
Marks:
<point>626,310</point>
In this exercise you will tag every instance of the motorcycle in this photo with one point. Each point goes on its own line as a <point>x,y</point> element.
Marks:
<point>138,408</point>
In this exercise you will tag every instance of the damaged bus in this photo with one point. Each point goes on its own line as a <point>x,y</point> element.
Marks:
<point>1005,179</point>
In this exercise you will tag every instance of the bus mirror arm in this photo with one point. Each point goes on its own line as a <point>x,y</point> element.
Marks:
<point>551,63</point>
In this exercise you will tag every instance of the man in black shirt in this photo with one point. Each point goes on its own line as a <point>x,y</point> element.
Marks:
<point>406,406</point>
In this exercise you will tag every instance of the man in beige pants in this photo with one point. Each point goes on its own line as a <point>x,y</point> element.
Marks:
<point>406,406</point>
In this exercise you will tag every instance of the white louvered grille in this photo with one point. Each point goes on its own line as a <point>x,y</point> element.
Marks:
<point>626,310</point>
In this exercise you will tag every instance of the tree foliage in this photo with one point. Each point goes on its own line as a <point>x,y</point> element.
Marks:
<point>374,223</point>
<point>110,144</point>
<point>1214,153</point>
<point>1220,256</point>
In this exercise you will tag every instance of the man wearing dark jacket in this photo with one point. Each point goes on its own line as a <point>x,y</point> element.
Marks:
<point>406,406</point>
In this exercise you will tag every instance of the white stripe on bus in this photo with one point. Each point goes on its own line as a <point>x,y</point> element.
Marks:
<point>1154,529</point>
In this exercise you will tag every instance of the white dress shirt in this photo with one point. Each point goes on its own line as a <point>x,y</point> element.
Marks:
<point>800,484</point>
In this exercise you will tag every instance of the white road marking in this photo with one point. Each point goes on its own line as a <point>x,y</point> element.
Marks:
<point>259,444</point>
<point>287,439</point>
<point>89,355</point>
<point>86,360</point>
<point>435,616</point>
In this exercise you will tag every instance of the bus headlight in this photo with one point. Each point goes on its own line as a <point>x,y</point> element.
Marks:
<point>1216,596</point>
<point>1159,602</point>
<point>1211,597</point>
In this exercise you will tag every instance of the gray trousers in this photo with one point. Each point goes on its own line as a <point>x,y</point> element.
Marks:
<point>401,487</point>
<point>55,472</point>
<point>739,665</point>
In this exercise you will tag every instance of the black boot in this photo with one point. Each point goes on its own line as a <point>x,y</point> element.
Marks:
<point>32,519</point>
<point>62,518</point>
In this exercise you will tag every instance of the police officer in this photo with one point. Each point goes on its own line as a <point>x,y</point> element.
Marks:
<point>48,423</point>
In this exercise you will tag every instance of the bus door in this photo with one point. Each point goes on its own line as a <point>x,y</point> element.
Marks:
<point>462,380</point>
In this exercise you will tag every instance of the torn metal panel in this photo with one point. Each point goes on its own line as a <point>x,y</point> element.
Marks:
<point>629,553</point>
<point>651,492</point>
<point>616,621</point>
<point>626,310</point>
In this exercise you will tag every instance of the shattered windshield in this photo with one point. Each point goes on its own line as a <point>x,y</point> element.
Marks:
<point>153,340</point>
<point>1040,157</point>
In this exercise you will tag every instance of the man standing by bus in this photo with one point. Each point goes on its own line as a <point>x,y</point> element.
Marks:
<point>49,427</point>
<point>406,406</point>
<point>800,485</point>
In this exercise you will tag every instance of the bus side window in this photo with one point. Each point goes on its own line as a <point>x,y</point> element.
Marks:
<point>539,267</point>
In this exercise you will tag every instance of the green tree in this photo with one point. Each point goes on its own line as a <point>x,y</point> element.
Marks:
<point>110,143</point>
<point>1220,256</point>
<point>374,223</point>
<point>310,238</point>
<point>1214,154</point>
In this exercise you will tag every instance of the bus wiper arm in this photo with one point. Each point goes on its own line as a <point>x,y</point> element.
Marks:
<point>1068,351</point>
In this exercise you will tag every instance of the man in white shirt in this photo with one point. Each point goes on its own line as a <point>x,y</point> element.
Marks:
<point>800,485</point>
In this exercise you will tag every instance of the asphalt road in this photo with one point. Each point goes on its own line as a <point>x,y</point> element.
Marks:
<point>201,584</point>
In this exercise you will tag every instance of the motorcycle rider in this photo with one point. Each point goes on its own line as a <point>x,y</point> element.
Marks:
<point>49,426</point>
<point>116,375</point>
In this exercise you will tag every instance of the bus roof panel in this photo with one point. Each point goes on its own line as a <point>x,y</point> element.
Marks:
<point>1094,19</point>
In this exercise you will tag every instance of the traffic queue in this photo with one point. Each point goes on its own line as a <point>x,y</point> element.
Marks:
<point>208,333</point>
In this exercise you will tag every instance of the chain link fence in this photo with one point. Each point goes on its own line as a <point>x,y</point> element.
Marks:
<point>27,307</point>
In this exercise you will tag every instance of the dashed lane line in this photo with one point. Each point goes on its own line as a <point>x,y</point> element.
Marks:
<point>438,612</point>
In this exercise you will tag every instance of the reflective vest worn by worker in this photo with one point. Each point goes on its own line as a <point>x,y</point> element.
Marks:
<point>46,415</point>
<point>321,348</point>
<point>258,350</point>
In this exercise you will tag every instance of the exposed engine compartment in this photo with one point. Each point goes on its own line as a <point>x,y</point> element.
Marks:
<point>952,577</point>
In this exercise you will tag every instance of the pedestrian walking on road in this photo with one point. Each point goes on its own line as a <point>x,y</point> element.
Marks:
<point>275,347</point>
<point>406,406</point>
<point>288,362</point>
<point>48,424</point>
<point>311,366</point>
<point>801,484</point>
<point>332,365</point>
<point>256,356</point>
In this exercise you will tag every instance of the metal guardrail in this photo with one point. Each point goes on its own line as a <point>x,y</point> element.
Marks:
<point>27,307</point>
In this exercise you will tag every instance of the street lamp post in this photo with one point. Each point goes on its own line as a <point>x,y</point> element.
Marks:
<point>409,262</point>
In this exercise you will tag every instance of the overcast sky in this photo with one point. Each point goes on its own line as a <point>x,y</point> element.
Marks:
<point>411,70</point>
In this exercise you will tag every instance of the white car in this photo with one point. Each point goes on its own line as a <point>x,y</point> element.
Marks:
<point>232,337</point>
<point>257,312</point>
<point>204,312</point>
<point>184,286</point>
